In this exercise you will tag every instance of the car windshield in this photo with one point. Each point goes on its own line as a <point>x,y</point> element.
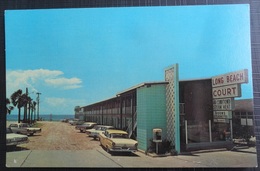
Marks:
<point>98,128</point>
<point>9,131</point>
<point>105,128</point>
<point>116,135</point>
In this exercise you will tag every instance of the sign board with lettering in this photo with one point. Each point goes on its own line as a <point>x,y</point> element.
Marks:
<point>227,91</point>
<point>221,120</point>
<point>237,77</point>
<point>224,104</point>
<point>222,114</point>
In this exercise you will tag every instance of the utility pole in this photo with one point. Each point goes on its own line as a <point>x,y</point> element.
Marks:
<point>38,105</point>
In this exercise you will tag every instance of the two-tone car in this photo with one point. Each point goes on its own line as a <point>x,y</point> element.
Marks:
<point>86,125</point>
<point>117,141</point>
<point>98,129</point>
<point>13,139</point>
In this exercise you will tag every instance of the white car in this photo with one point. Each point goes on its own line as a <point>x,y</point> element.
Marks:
<point>24,128</point>
<point>98,129</point>
<point>13,139</point>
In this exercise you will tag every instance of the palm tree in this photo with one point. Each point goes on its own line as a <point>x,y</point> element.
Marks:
<point>33,108</point>
<point>8,107</point>
<point>18,99</point>
<point>29,101</point>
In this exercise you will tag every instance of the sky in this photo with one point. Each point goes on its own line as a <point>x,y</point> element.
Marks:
<point>76,57</point>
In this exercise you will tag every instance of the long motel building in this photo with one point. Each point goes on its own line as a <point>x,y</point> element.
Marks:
<point>191,114</point>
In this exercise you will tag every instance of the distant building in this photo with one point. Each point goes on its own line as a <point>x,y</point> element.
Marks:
<point>243,118</point>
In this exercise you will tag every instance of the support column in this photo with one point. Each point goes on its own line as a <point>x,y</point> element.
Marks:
<point>172,105</point>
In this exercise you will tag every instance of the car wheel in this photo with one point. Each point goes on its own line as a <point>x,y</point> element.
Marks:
<point>81,130</point>
<point>31,134</point>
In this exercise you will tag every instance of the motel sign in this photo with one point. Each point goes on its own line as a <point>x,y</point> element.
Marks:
<point>227,91</point>
<point>223,104</point>
<point>237,77</point>
<point>224,89</point>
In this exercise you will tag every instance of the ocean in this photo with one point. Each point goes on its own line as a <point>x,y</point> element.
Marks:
<point>13,117</point>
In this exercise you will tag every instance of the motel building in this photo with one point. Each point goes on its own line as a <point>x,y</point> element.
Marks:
<point>190,114</point>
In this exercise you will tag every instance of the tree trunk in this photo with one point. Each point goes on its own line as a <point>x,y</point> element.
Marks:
<point>19,115</point>
<point>29,112</point>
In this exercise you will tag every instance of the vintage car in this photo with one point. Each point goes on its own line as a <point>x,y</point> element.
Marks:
<point>13,139</point>
<point>86,125</point>
<point>117,141</point>
<point>76,122</point>
<point>23,128</point>
<point>98,129</point>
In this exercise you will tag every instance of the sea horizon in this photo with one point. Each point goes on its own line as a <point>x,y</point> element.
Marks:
<point>45,117</point>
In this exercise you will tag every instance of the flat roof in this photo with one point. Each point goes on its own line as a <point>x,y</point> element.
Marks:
<point>197,79</point>
<point>99,102</point>
<point>141,85</point>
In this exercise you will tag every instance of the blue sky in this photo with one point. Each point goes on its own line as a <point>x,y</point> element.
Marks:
<point>81,56</point>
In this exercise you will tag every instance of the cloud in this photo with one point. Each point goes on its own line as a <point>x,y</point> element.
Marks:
<point>66,83</point>
<point>33,79</point>
<point>64,105</point>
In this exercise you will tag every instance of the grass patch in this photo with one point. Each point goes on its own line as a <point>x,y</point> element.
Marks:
<point>38,125</point>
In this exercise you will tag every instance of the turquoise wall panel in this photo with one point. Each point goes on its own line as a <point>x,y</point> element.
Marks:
<point>151,113</point>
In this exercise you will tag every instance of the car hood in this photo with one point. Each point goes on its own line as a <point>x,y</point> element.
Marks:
<point>124,141</point>
<point>31,128</point>
<point>95,131</point>
<point>14,135</point>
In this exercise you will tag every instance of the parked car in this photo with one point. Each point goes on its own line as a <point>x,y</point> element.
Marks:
<point>76,122</point>
<point>13,139</point>
<point>117,141</point>
<point>23,128</point>
<point>98,129</point>
<point>87,125</point>
<point>79,122</point>
<point>70,121</point>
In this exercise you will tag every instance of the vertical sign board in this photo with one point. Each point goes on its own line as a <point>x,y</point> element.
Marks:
<point>172,106</point>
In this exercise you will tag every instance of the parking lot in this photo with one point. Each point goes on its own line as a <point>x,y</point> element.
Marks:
<point>60,145</point>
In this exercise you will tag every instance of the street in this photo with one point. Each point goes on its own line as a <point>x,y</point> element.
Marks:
<point>78,150</point>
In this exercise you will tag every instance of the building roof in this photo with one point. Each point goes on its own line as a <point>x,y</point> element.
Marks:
<point>141,85</point>
<point>99,102</point>
<point>197,79</point>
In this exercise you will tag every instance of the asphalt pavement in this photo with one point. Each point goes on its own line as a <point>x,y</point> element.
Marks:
<point>98,158</point>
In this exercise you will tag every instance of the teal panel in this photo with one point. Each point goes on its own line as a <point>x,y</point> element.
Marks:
<point>151,113</point>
